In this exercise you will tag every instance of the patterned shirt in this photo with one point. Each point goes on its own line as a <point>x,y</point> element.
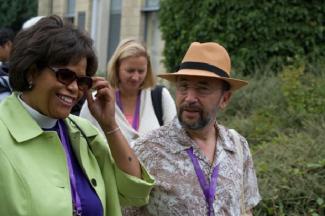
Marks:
<point>178,192</point>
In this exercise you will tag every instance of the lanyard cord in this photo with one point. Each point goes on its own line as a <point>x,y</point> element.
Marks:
<point>136,115</point>
<point>209,190</point>
<point>75,196</point>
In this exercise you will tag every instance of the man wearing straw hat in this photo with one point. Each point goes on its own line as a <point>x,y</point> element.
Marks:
<point>200,166</point>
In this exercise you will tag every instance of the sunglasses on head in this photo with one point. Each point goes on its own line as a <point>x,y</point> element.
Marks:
<point>67,76</point>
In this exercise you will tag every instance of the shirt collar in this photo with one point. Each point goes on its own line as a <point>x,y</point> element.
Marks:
<point>43,121</point>
<point>185,142</point>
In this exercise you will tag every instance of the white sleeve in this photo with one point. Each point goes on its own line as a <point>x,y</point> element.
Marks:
<point>168,106</point>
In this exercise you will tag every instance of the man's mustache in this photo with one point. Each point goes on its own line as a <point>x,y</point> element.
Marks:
<point>191,107</point>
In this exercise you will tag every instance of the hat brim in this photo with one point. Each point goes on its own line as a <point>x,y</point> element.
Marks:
<point>234,83</point>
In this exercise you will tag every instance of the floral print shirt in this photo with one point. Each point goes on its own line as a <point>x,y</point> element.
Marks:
<point>178,191</point>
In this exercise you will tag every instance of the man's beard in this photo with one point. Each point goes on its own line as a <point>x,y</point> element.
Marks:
<point>204,119</point>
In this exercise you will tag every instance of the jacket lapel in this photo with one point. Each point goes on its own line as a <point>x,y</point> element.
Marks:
<point>20,132</point>
<point>80,146</point>
<point>79,133</point>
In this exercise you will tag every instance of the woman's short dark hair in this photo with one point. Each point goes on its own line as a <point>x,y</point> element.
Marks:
<point>49,42</point>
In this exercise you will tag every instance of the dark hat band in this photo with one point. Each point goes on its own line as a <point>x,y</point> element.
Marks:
<point>203,66</point>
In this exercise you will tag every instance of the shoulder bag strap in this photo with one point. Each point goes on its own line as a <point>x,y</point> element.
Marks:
<point>156,97</point>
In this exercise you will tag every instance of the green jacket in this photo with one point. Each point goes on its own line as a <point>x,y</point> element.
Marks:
<point>34,178</point>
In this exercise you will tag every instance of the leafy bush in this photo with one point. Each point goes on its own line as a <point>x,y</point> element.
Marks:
<point>256,109</point>
<point>291,170</point>
<point>15,12</point>
<point>257,34</point>
<point>304,92</point>
<point>282,117</point>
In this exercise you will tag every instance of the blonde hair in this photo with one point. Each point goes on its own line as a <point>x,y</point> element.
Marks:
<point>129,48</point>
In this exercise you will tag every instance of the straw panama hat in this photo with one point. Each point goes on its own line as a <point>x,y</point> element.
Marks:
<point>206,60</point>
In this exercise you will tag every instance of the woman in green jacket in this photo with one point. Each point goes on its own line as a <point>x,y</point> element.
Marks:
<point>53,163</point>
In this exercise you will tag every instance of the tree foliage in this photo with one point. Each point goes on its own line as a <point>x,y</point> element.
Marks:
<point>282,117</point>
<point>257,34</point>
<point>13,13</point>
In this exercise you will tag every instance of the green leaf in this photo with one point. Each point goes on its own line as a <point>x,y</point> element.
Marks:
<point>320,201</point>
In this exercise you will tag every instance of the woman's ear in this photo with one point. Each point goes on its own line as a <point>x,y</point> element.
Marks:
<point>31,76</point>
<point>32,73</point>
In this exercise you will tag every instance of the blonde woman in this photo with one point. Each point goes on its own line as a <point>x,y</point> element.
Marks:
<point>129,72</point>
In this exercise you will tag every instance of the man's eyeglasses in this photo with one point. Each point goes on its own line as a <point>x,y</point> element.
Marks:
<point>67,76</point>
<point>201,89</point>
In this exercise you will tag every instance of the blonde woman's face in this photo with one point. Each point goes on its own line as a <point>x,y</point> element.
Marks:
<point>132,73</point>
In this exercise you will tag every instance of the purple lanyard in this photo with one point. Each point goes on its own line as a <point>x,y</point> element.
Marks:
<point>208,189</point>
<point>75,196</point>
<point>135,122</point>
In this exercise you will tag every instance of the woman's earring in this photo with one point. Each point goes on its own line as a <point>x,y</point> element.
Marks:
<point>30,85</point>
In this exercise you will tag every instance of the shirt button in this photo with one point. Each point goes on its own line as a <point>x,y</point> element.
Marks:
<point>93,182</point>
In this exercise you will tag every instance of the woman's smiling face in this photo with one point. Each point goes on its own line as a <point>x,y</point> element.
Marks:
<point>51,97</point>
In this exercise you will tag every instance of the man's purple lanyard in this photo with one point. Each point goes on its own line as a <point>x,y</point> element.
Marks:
<point>208,189</point>
<point>136,116</point>
<point>75,196</point>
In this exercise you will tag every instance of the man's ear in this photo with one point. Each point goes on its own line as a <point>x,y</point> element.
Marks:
<point>225,98</point>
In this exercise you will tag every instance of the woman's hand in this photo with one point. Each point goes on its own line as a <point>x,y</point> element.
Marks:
<point>102,103</point>
<point>102,107</point>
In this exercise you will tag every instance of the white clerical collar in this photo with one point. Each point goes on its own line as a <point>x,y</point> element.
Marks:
<point>42,120</point>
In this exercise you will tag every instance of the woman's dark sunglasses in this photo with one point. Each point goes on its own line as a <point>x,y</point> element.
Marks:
<point>67,76</point>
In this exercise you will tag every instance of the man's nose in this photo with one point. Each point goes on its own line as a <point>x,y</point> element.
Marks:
<point>191,95</point>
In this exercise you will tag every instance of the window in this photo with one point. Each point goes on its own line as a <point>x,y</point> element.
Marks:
<point>114,27</point>
<point>71,7</point>
<point>152,33</point>
<point>151,5</point>
<point>81,20</point>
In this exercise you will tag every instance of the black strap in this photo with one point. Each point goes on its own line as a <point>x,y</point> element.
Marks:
<point>156,97</point>
<point>203,66</point>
